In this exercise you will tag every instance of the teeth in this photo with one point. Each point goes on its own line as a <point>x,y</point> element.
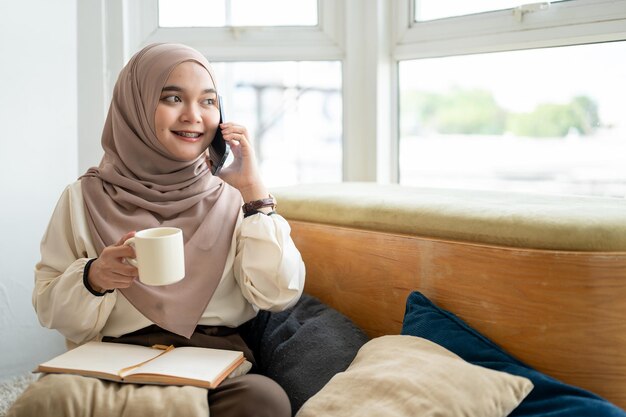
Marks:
<point>188,134</point>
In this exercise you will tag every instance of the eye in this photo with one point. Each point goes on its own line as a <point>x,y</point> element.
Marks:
<point>208,101</point>
<point>171,99</point>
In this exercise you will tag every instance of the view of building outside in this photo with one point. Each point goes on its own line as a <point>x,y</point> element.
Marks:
<point>544,120</point>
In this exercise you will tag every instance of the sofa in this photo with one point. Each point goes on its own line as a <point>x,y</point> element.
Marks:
<point>539,278</point>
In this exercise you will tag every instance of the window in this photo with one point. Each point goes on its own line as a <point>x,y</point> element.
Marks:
<point>216,13</point>
<point>519,102</point>
<point>503,124</point>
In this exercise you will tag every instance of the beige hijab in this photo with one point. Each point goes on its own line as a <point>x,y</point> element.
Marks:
<point>139,184</point>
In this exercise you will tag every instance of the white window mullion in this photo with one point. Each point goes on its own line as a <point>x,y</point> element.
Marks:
<point>368,77</point>
<point>393,154</point>
<point>101,55</point>
<point>331,15</point>
<point>114,42</point>
<point>93,101</point>
<point>386,98</point>
<point>359,93</point>
<point>141,19</point>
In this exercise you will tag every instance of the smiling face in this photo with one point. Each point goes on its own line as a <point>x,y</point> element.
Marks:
<point>187,115</point>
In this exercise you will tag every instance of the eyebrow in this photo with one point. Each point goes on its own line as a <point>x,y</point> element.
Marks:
<point>180,90</point>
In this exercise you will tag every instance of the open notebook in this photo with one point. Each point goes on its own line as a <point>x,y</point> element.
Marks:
<point>201,367</point>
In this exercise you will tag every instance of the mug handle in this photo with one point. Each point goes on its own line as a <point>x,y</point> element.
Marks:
<point>132,261</point>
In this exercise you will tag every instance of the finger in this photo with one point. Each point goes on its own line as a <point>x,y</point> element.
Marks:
<point>235,147</point>
<point>120,279</point>
<point>123,251</point>
<point>125,238</point>
<point>126,270</point>
<point>239,139</point>
<point>123,280</point>
<point>122,284</point>
<point>233,138</point>
<point>228,128</point>
<point>227,125</point>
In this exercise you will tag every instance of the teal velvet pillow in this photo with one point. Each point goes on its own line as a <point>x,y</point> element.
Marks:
<point>549,397</point>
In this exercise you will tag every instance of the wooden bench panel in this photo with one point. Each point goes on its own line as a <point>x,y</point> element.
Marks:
<point>562,312</point>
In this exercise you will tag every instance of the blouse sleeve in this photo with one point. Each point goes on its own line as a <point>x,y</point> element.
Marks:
<point>60,298</point>
<point>268,266</point>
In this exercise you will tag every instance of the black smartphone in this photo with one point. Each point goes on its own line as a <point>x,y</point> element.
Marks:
<point>219,149</point>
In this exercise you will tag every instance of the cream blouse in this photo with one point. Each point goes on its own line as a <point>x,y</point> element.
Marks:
<point>264,270</point>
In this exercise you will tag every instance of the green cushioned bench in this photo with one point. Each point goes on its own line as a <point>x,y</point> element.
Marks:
<point>508,219</point>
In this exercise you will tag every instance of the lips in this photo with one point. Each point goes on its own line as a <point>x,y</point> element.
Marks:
<point>188,136</point>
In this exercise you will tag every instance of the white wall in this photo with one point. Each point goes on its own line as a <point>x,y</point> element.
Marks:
<point>38,157</point>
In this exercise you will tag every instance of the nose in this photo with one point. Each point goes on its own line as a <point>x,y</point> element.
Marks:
<point>191,114</point>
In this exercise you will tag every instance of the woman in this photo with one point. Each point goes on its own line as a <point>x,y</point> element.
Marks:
<point>156,172</point>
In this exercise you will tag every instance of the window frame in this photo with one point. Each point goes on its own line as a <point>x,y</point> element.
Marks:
<point>370,38</point>
<point>237,43</point>
<point>564,23</point>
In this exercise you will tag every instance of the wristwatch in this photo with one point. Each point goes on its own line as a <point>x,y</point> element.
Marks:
<point>252,207</point>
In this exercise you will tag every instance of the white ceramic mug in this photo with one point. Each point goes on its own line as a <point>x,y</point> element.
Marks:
<point>160,255</point>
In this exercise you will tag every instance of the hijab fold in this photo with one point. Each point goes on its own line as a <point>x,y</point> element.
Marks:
<point>139,185</point>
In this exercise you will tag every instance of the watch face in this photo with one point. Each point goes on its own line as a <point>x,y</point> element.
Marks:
<point>254,206</point>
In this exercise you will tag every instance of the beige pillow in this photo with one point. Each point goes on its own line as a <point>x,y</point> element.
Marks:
<point>395,376</point>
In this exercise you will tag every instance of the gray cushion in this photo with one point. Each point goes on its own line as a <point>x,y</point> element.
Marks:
<point>304,347</point>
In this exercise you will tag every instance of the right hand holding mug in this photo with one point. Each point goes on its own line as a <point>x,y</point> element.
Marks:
<point>110,271</point>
